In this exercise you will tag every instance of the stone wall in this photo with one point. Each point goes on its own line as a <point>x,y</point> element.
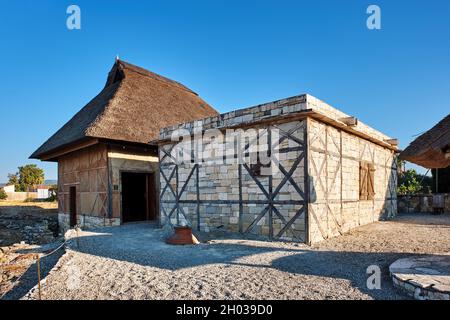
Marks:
<point>222,187</point>
<point>86,222</point>
<point>227,197</point>
<point>20,196</point>
<point>334,159</point>
<point>267,111</point>
<point>420,203</point>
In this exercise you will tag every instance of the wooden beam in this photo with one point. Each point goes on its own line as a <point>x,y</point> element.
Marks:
<point>197,175</point>
<point>71,148</point>
<point>393,142</point>
<point>240,198</point>
<point>350,121</point>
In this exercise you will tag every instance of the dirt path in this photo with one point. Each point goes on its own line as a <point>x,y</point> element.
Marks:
<point>132,262</point>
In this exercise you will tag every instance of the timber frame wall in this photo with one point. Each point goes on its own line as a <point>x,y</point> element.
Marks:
<point>314,197</point>
<point>87,171</point>
<point>334,160</point>
<point>95,172</point>
<point>233,198</point>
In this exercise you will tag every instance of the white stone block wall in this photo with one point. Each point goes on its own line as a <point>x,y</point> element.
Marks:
<point>334,157</point>
<point>219,193</point>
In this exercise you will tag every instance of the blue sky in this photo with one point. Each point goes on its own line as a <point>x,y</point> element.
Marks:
<point>233,53</point>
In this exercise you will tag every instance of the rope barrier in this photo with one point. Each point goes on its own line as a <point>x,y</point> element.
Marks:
<point>38,265</point>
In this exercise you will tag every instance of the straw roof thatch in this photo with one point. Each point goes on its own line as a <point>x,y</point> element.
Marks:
<point>132,107</point>
<point>431,149</point>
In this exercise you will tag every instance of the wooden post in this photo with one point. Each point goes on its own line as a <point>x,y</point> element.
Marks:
<point>198,195</point>
<point>240,197</point>
<point>437,177</point>
<point>38,264</point>
<point>306,180</point>
<point>269,146</point>
<point>177,198</point>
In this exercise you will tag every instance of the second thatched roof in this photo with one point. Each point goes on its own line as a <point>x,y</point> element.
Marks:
<point>132,107</point>
<point>431,149</point>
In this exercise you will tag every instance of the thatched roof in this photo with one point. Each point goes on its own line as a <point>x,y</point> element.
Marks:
<point>132,107</point>
<point>431,149</point>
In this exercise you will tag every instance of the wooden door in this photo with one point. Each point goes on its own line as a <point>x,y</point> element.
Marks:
<point>73,206</point>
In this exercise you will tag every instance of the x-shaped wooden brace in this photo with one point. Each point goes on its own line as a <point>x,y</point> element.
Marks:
<point>270,198</point>
<point>177,197</point>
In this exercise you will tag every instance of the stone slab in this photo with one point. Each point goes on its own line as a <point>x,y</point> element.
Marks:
<point>423,277</point>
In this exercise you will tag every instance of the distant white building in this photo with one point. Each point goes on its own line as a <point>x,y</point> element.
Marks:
<point>9,188</point>
<point>42,192</point>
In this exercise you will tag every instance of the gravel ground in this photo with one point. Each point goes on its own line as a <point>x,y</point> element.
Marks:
<point>133,262</point>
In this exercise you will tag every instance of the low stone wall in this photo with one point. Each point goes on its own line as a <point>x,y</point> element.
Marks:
<point>86,222</point>
<point>424,278</point>
<point>420,203</point>
<point>21,196</point>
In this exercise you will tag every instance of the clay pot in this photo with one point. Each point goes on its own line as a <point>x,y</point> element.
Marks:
<point>182,236</point>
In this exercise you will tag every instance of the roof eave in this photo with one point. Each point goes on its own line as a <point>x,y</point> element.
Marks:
<point>54,154</point>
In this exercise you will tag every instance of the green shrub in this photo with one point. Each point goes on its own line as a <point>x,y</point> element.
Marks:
<point>53,197</point>
<point>3,194</point>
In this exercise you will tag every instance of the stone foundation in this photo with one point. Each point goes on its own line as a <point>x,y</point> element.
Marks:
<point>85,222</point>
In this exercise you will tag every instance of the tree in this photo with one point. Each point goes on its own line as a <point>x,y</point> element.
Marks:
<point>3,194</point>
<point>409,182</point>
<point>13,179</point>
<point>28,177</point>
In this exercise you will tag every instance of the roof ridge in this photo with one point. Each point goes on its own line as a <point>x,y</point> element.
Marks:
<point>153,75</point>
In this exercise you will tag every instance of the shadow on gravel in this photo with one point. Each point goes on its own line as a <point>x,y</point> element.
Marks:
<point>350,266</point>
<point>30,277</point>
<point>146,247</point>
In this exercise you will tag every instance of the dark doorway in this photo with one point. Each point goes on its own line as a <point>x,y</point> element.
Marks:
<point>138,197</point>
<point>73,206</point>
